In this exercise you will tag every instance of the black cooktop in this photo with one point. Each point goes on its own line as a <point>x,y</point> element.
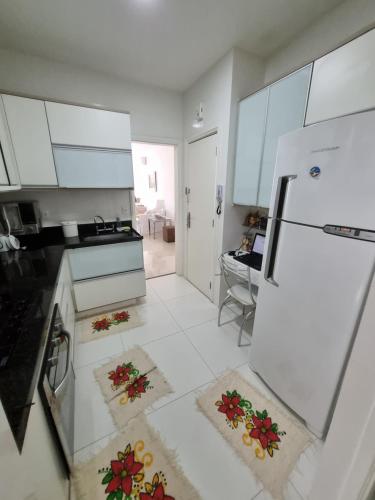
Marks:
<point>16,313</point>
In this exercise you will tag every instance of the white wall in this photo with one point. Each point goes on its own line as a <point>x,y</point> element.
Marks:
<point>232,77</point>
<point>160,159</point>
<point>248,75</point>
<point>336,27</point>
<point>155,113</point>
<point>77,204</point>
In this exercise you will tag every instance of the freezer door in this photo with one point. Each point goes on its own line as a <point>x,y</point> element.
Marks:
<point>333,164</point>
<point>304,326</point>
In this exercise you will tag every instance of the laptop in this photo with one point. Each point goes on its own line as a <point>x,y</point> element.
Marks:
<point>255,257</point>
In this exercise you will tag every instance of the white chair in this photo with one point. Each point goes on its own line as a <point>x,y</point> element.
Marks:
<point>240,290</point>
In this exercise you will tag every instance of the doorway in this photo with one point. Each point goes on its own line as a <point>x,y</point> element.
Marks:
<point>201,174</point>
<point>154,192</point>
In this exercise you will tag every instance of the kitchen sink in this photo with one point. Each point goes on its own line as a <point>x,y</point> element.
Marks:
<point>111,236</point>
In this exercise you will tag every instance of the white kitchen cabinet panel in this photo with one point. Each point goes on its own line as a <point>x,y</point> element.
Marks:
<point>286,112</point>
<point>29,132</point>
<point>343,81</point>
<point>9,178</point>
<point>43,473</point>
<point>93,168</point>
<point>109,290</point>
<point>250,136</point>
<point>79,126</point>
<point>102,260</point>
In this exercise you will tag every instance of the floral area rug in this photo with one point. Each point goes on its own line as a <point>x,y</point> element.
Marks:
<point>130,384</point>
<point>135,465</point>
<point>103,325</point>
<point>262,434</point>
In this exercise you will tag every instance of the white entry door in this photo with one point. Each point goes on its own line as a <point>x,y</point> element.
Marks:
<point>201,174</point>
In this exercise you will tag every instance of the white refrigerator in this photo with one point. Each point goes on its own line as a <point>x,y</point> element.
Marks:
<point>318,264</point>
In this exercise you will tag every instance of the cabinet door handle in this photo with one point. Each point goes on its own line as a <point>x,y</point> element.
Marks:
<point>188,220</point>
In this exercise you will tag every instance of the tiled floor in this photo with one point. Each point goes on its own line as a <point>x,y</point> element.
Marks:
<point>181,335</point>
<point>159,256</point>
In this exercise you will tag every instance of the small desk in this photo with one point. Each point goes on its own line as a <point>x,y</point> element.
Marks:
<point>159,218</point>
<point>242,269</point>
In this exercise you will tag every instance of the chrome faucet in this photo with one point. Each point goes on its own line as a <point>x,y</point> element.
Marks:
<point>105,228</point>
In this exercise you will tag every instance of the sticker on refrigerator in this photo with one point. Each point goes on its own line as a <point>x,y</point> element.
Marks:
<point>315,171</point>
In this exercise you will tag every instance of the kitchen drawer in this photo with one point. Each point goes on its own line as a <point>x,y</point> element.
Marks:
<point>109,289</point>
<point>102,260</point>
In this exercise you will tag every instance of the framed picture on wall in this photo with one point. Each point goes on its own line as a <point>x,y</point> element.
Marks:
<point>153,181</point>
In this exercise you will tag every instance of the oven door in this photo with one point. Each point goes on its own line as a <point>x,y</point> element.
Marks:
<point>58,387</point>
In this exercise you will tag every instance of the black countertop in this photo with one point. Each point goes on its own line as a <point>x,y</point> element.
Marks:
<point>30,275</point>
<point>54,236</point>
<point>26,275</point>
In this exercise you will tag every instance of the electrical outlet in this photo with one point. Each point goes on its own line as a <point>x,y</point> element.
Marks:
<point>45,213</point>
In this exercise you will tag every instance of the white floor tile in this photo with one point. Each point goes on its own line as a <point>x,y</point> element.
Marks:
<point>189,360</point>
<point>89,352</point>
<point>218,345</point>
<point>151,296</point>
<point>157,323</point>
<point>181,364</point>
<point>206,458</point>
<point>191,310</point>
<point>172,286</point>
<point>290,493</point>
<point>86,453</point>
<point>92,418</point>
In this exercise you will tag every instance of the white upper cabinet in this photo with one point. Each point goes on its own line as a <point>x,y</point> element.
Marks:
<point>28,127</point>
<point>286,112</point>
<point>9,179</point>
<point>343,81</point>
<point>250,137</point>
<point>263,118</point>
<point>93,168</point>
<point>79,126</point>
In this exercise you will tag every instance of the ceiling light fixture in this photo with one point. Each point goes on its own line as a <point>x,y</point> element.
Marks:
<point>198,122</point>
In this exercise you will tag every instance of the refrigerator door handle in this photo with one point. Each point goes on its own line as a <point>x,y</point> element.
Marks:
<point>281,191</point>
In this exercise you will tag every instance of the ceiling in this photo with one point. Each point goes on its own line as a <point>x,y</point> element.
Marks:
<point>168,43</point>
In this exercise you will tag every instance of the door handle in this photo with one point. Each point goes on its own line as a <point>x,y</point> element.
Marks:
<point>69,342</point>
<point>188,220</point>
<point>281,191</point>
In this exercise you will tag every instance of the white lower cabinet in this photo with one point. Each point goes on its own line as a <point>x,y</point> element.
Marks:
<point>105,274</point>
<point>109,289</point>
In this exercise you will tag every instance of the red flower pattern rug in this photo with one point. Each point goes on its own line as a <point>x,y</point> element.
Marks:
<point>268,439</point>
<point>135,465</point>
<point>131,383</point>
<point>103,325</point>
